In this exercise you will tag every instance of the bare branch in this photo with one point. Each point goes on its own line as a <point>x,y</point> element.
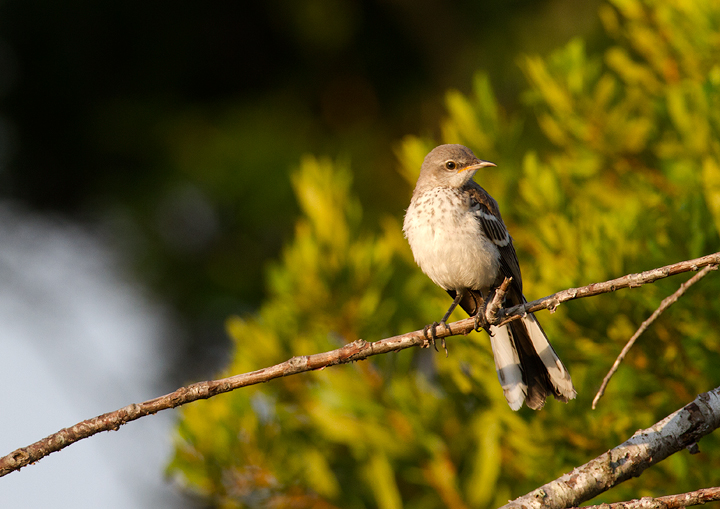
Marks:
<point>669,502</point>
<point>495,305</point>
<point>666,303</point>
<point>681,429</point>
<point>355,351</point>
<point>630,281</point>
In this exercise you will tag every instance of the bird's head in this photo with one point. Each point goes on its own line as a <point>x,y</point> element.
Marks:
<point>449,166</point>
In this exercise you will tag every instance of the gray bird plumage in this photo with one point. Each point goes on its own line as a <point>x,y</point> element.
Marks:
<point>459,240</point>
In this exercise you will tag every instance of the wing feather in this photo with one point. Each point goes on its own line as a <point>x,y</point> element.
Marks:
<point>488,215</point>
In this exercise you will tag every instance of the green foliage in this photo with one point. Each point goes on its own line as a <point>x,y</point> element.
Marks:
<point>612,166</point>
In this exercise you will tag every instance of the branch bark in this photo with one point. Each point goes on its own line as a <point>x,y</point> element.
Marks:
<point>630,281</point>
<point>679,430</point>
<point>355,351</point>
<point>669,502</point>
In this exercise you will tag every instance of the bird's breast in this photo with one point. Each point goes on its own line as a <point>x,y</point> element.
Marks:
<point>448,242</point>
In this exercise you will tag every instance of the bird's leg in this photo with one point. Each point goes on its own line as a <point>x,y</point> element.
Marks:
<point>480,320</point>
<point>433,333</point>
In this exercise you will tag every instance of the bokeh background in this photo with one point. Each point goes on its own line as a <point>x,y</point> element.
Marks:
<point>193,190</point>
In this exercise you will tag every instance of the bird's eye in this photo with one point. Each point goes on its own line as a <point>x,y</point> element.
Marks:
<point>450,165</point>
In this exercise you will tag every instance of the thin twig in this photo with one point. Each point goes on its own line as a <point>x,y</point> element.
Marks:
<point>358,350</point>
<point>668,502</point>
<point>495,305</point>
<point>679,430</point>
<point>666,303</point>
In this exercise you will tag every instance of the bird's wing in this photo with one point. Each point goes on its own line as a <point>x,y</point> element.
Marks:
<point>488,214</point>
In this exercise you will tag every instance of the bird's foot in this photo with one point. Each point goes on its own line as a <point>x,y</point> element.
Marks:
<point>481,322</point>
<point>433,334</point>
<point>432,338</point>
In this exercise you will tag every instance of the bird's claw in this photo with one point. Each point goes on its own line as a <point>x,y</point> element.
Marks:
<point>482,323</point>
<point>432,338</point>
<point>433,335</point>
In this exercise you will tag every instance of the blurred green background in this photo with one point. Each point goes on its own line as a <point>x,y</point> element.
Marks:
<point>253,160</point>
<point>173,126</point>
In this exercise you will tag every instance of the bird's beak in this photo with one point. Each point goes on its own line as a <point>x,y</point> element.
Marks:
<point>477,166</point>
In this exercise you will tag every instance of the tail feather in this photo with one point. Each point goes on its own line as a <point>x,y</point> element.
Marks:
<point>507,364</point>
<point>558,375</point>
<point>528,368</point>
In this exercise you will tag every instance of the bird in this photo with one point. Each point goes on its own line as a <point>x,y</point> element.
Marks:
<point>459,240</point>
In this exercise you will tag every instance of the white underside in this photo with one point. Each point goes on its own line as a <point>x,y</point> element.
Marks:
<point>448,243</point>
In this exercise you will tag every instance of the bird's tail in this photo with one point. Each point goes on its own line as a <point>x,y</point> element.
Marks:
<point>527,366</point>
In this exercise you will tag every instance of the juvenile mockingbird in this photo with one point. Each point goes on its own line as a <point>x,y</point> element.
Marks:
<point>459,240</point>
